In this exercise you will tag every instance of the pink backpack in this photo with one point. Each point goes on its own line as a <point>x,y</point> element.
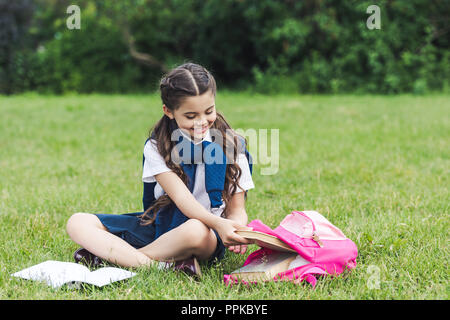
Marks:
<point>325,248</point>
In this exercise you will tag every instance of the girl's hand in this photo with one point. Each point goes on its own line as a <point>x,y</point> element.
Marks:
<point>238,248</point>
<point>226,232</point>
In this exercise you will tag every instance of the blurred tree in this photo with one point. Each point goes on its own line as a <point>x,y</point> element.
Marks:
<point>15,18</point>
<point>122,13</point>
<point>310,46</point>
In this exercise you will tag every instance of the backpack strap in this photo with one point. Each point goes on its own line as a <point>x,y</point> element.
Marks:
<point>148,195</point>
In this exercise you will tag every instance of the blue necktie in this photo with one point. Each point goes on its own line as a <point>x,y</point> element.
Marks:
<point>212,155</point>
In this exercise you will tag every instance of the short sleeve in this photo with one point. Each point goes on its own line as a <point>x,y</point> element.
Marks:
<point>153,162</point>
<point>245,181</point>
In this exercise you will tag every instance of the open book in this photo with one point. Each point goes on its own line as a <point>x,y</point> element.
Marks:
<point>268,266</point>
<point>265,240</point>
<point>58,273</point>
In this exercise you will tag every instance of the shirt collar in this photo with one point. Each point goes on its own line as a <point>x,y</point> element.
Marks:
<point>206,138</point>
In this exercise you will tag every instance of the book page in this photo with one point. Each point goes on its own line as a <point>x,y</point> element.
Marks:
<point>265,240</point>
<point>108,275</point>
<point>54,273</point>
<point>265,263</point>
<point>298,262</point>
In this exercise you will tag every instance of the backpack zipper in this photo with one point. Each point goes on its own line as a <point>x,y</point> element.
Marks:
<point>314,236</point>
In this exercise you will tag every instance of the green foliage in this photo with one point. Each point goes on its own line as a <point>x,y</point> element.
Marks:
<point>74,62</point>
<point>315,46</point>
<point>14,21</point>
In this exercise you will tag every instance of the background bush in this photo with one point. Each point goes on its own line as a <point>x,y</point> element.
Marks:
<point>311,46</point>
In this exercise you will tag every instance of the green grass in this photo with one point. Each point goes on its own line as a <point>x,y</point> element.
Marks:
<point>376,166</point>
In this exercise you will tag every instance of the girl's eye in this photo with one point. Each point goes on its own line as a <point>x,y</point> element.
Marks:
<point>192,117</point>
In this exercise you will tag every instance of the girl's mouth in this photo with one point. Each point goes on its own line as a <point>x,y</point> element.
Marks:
<point>200,130</point>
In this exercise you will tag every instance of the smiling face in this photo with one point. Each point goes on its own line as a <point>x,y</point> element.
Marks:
<point>195,115</point>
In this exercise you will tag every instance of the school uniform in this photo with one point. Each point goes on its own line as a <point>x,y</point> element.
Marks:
<point>205,183</point>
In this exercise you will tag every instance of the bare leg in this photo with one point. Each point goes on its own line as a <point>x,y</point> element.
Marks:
<point>87,230</point>
<point>192,238</point>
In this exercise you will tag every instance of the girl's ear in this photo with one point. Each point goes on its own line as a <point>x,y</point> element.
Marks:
<point>167,112</point>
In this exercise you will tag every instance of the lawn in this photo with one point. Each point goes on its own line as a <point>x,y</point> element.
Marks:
<point>375,166</point>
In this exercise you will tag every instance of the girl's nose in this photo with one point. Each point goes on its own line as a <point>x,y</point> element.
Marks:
<point>201,123</point>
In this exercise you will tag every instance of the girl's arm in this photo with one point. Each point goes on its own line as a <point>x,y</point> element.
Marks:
<point>185,201</point>
<point>237,209</point>
<point>237,213</point>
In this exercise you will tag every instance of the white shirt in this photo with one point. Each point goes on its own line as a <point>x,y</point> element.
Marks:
<point>155,164</point>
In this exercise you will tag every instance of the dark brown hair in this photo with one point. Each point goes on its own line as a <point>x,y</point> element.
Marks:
<point>186,80</point>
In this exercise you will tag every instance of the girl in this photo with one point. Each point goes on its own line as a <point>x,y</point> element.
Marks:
<point>191,209</point>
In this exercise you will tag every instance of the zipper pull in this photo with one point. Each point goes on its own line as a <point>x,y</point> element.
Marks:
<point>317,239</point>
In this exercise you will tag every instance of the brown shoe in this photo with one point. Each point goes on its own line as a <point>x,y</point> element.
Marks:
<point>189,266</point>
<point>88,259</point>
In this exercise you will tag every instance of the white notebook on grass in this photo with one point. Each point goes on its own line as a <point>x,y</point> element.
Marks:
<point>58,273</point>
